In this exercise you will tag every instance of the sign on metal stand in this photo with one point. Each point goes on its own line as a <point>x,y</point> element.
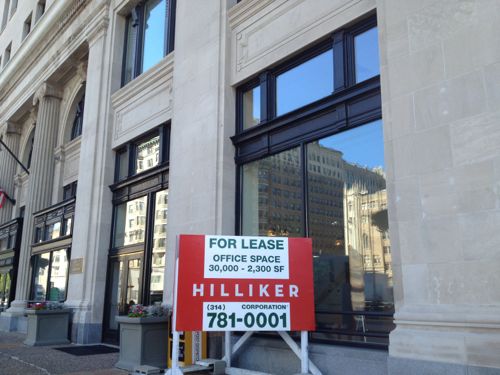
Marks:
<point>242,283</point>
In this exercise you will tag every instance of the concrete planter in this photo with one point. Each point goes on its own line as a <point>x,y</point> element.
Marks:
<point>143,341</point>
<point>47,327</point>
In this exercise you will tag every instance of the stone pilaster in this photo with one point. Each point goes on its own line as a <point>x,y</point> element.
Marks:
<point>48,98</point>
<point>92,226</point>
<point>8,167</point>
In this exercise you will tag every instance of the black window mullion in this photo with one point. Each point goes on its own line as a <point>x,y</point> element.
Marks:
<point>265,98</point>
<point>148,248</point>
<point>170,29</point>
<point>305,191</point>
<point>239,199</point>
<point>131,151</point>
<point>339,73</point>
<point>350,69</point>
<point>138,11</point>
<point>49,274</point>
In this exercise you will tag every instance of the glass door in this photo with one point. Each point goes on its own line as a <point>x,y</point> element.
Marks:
<point>125,287</point>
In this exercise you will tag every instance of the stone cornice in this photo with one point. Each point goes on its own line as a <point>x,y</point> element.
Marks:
<point>30,53</point>
<point>245,10</point>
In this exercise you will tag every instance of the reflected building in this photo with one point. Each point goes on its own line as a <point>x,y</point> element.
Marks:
<point>347,220</point>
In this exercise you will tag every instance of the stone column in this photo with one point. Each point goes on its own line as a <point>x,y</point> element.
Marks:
<point>48,98</point>
<point>92,226</point>
<point>8,167</point>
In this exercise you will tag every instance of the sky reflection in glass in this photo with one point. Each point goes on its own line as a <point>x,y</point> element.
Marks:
<point>363,145</point>
<point>154,33</point>
<point>304,84</point>
<point>366,52</point>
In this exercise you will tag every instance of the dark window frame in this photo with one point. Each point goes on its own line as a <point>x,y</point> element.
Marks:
<point>135,185</point>
<point>69,190</point>
<point>137,17</point>
<point>350,105</point>
<point>130,150</point>
<point>49,274</point>
<point>77,127</point>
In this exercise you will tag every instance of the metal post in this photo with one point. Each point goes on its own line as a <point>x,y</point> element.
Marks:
<point>304,356</point>
<point>227,348</point>
<point>175,370</point>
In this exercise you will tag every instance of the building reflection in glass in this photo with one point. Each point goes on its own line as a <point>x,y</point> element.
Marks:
<point>343,201</point>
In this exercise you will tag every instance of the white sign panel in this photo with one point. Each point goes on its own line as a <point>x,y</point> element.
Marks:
<point>246,257</point>
<point>246,316</point>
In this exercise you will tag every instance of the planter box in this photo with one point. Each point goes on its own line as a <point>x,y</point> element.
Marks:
<point>47,327</point>
<point>143,341</point>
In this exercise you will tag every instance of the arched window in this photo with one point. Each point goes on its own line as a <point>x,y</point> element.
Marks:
<point>76,130</point>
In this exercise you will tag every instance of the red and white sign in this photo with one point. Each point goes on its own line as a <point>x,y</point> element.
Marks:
<point>230,283</point>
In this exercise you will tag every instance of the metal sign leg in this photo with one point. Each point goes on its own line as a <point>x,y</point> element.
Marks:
<point>175,370</point>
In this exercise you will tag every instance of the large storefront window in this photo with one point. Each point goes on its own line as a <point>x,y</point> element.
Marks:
<point>53,228</point>
<point>10,242</point>
<point>312,164</point>
<point>137,255</point>
<point>50,276</point>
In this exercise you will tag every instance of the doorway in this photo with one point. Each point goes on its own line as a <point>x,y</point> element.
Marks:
<point>125,290</point>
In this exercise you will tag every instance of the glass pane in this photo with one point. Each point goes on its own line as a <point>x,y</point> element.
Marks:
<point>4,243</point>
<point>272,196</point>
<point>366,55</point>
<point>154,33</point>
<point>133,282</point>
<point>116,307</point>
<point>159,246</point>
<point>58,276</point>
<point>6,299</point>
<point>122,165</point>
<point>251,107</point>
<point>40,276</point>
<point>131,40</point>
<point>2,289</point>
<point>148,154</point>
<point>130,222</point>
<point>348,222</point>
<point>53,231</point>
<point>68,226</point>
<point>305,83</point>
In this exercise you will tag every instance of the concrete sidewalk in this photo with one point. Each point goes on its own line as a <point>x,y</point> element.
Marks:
<point>17,358</point>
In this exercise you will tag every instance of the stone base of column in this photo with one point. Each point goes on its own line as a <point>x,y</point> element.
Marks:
<point>398,366</point>
<point>445,339</point>
<point>83,329</point>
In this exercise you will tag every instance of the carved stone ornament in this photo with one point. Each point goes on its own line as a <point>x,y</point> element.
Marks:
<point>47,89</point>
<point>81,71</point>
<point>12,128</point>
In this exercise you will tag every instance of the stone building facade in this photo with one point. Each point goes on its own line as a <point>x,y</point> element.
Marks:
<point>369,125</point>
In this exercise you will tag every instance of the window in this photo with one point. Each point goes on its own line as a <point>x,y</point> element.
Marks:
<point>311,163</point>
<point>69,191</point>
<point>27,27</point>
<point>40,10</point>
<point>6,55</point>
<point>76,129</point>
<point>50,276</point>
<point>149,36</point>
<point>310,81</point>
<point>143,154</point>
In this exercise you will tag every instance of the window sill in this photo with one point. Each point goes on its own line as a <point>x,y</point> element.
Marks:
<point>144,81</point>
